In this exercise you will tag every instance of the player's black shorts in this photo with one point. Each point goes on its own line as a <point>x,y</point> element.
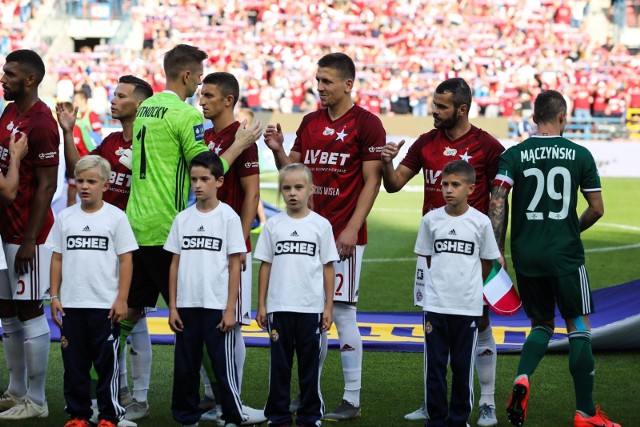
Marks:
<point>150,277</point>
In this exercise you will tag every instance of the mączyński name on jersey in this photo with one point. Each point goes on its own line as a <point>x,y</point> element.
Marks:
<point>543,153</point>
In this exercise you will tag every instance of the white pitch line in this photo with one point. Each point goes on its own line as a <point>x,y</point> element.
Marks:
<point>592,250</point>
<point>620,226</point>
<point>607,249</point>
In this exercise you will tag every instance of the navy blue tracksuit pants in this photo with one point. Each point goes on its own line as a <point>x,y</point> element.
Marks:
<point>200,330</point>
<point>454,337</point>
<point>299,332</point>
<point>88,337</point>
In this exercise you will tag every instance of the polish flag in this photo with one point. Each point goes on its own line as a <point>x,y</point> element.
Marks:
<point>499,292</point>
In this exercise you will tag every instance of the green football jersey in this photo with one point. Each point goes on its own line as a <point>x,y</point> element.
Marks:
<point>545,173</point>
<point>167,134</point>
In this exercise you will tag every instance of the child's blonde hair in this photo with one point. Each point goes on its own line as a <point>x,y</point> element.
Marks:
<point>294,167</point>
<point>92,161</point>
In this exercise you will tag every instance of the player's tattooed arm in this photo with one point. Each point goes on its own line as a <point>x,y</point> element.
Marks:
<point>498,214</point>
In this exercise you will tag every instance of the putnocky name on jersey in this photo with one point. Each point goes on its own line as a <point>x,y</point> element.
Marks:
<point>155,112</point>
<point>453,246</point>
<point>295,248</point>
<point>542,153</point>
<point>96,243</point>
<point>201,242</point>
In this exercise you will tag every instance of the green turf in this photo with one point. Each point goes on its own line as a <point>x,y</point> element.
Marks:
<point>392,382</point>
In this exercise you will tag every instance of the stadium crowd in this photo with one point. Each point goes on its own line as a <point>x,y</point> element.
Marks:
<point>507,50</point>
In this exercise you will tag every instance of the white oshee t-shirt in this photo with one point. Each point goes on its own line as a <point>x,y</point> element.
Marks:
<point>297,249</point>
<point>204,241</point>
<point>456,244</point>
<point>90,244</point>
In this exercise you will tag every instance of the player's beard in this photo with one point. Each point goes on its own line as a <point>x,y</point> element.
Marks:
<point>14,95</point>
<point>446,124</point>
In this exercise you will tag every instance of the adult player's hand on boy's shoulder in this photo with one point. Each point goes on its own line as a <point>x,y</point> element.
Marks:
<point>228,321</point>
<point>175,322</point>
<point>118,311</point>
<point>57,312</point>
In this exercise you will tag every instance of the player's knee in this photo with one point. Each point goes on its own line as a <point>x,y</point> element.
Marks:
<point>579,324</point>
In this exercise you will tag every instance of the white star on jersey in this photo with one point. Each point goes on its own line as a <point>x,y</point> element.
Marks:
<point>466,156</point>
<point>340,135</point>
<point>217,149</point>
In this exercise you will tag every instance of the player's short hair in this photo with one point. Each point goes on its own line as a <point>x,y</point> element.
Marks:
<point>294,167</point>
<point>462,168</point>
<point>340,62</point>
<point>459,89</point>
<point>141,89</point>
<point>548,105</point>
<point>30,60</point>
<point>226,82</point>
<point>182,57</point>
<point>209,160</point>
<point>94,161</point>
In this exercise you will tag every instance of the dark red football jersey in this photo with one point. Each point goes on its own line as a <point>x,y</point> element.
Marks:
<point>42,130</point>
<point>433,150</point>
<point>112,147</point>
<point>335,150</point>
<point>246,164</point>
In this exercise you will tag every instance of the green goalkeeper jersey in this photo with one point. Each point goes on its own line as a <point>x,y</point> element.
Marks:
<point>167,134</point>
<point>545,173</point>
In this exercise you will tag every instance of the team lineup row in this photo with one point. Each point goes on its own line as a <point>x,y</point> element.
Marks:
<point>166,153</point>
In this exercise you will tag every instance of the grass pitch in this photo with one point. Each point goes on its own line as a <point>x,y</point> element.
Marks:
<point>392,382</point>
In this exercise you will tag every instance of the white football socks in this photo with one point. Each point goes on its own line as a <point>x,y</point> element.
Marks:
<point>486,357</point>
<point>37,340</point>
<point>13,340</point>
<point>141,357</point>
<point>122,365</point>
<point>240,355</point>
<point>344,316</point>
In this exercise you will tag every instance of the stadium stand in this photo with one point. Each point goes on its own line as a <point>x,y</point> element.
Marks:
<point>508,51</point>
